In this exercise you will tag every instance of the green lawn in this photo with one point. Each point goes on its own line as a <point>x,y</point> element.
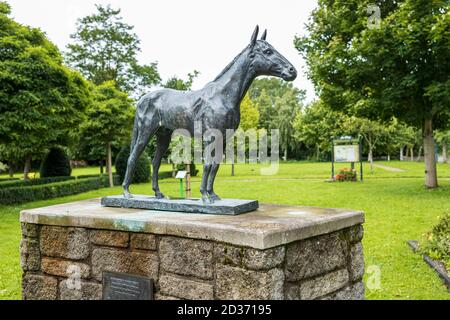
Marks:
<point>398,208</point>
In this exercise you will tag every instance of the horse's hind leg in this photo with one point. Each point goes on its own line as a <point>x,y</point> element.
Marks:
<point>163,139</point>
<point>142,140</point>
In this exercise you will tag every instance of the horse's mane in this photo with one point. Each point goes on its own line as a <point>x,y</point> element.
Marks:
<point>228,67</point>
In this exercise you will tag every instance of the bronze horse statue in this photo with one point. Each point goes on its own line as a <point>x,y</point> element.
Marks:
<point>216,106</point>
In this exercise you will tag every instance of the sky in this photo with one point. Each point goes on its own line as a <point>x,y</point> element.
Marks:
<point>183,36</point>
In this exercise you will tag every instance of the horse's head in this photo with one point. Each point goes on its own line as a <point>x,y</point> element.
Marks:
<point>269,62</point>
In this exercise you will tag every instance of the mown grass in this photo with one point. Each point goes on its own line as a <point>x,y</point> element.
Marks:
<point>398,208</point>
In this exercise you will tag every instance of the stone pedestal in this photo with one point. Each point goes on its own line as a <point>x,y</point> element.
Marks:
<point>277,252</point>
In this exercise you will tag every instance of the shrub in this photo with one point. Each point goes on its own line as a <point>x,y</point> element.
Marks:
<point>19,195</point>
<point>142,172</point>
<point>346,175</point>
<point>2,180</point>
<point>32,182</point>
<point>56,164</point>
<point>436,244</point>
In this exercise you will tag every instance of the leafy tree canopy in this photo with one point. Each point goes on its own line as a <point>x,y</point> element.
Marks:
<point>105,49</point>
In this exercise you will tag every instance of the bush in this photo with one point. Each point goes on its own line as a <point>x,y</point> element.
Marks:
<point>436,243</point>
<point>56,164</point>
<point>142,172</point>
<point>2,180</point>
<point>32,182</point>
<point>19,195</point>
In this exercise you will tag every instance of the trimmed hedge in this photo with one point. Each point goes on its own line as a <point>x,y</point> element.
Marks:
<point>49,191</point>
<point>2,180</point>
<point>33,182</point>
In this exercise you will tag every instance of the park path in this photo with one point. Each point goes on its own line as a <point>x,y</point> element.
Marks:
<point>387,168</point>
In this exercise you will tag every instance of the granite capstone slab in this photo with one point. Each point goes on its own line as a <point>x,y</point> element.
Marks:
<point>268,227</point>
<point>231,207</point>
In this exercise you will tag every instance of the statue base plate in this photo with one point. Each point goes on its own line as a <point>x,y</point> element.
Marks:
<point>230,207</point>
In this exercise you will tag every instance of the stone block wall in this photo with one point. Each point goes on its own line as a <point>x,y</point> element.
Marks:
<point>64,263</point>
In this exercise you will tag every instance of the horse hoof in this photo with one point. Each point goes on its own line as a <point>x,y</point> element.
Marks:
<point>215,197</point>
<point>127,195</point>
<point>160,196</point>
<point>207,200</point>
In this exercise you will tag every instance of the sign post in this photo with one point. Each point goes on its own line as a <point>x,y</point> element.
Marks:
<point>181,175</point>
<point>347,150</point>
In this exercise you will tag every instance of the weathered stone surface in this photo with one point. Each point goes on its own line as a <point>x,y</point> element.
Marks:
<point>315,256</point>
<point>30,230</point>
<point>269,227</point>
<point>159,296</point>
<point>144,264</point>
<point>292,291</point>
<point>37,287</point>
<point>239,284</point>
<point>355,234</point>
<point>70,290</point>
<point>109,260</point>
<point>230,207</point>
<point>356,266</point>
<point>68,243</point>
<point>353,292</point>
<point>187,257</point>
<point>228,255</point>
<point>263,259</point>
<point>64,268</point>
<point>30,255</point>
<point>143,241</point>
<point>358,291</point>
<point>323,285</point>
<point>185,288</point>
<point>110,238</point>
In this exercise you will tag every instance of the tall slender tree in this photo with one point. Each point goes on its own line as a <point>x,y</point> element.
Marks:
<point>105,48</point>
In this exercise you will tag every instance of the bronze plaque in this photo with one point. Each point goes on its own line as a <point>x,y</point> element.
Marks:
<point>120,286</point>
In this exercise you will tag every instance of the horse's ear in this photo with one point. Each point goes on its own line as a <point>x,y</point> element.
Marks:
<point>264,36</point>
<point>255,36</point>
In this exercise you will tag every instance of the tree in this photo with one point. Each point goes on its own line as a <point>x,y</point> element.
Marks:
<point>109,119</point>
<point>41,100</point>
<point>316,126</point>
<point>249,114</point>
<point>105,49</point>
<point>180,84</point>
<point>286,106</point>
<point>399,69</point>
<point>372,132</point>
<point>265,92</point>
<point>443,138</point>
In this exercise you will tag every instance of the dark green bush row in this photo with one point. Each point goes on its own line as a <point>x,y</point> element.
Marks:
<point>2,180</point>
<point>32,182</point>
<point>50,191</point>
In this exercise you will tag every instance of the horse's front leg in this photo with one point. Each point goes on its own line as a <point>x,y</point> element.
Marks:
<point>212,178</point>
<point>204,187</point>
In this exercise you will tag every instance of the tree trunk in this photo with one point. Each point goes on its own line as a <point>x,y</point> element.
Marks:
<point>401,154</point>
<point>371,158</point>
<point>232,170</point>
<point>285,153</point>
<point>102,171</point>
<point>389,157</point>
<point>420,153</point>
<point>109,160</point>
<point>411,153</point>
<point>27,168</point>
<point>430,155</point>
<point>444,153</point>
<point>11,170</point>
